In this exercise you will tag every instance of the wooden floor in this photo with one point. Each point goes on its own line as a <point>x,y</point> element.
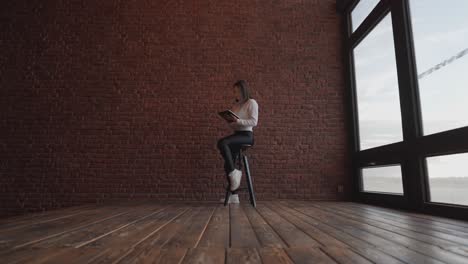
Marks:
<point>274,232</point>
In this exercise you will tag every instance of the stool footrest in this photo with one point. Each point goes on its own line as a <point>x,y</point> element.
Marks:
<point>236,190</point>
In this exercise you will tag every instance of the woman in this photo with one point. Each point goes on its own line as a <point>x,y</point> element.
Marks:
<point>247,110</point>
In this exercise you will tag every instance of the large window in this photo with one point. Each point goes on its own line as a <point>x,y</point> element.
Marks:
<point>440,30</point>
<point>377,88</point>
<point>407,68</point>
<point>448,178</point>
<point>386,179</point>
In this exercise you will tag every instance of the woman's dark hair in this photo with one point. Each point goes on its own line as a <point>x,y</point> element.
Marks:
<point>244,88</point>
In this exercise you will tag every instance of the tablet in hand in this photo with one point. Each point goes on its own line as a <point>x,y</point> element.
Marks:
<point>228,115</point>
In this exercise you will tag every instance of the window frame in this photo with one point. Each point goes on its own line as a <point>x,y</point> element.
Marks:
<point>415,147</point>
<point>361,181</point>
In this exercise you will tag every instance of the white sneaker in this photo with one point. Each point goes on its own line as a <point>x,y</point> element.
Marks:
<point>234,198</point>
<point>235,178</point>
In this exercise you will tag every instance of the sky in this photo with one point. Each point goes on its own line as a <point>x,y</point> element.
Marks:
<point>440,31</point>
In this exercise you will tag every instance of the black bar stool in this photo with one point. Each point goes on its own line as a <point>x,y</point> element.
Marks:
<point>242,157</point>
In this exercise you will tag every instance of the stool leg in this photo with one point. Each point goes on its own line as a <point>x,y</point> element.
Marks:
<point>249,182</point>
<point>226,196</point>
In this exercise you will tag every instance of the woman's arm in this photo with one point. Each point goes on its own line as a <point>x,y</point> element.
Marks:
<point>252,113</point>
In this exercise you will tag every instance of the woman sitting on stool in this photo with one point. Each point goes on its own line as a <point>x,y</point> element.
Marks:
<point>229,146</point>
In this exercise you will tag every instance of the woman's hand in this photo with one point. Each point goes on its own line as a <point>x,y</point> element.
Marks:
<point>233,120</point>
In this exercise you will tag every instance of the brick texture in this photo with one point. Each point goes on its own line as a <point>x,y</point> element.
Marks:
<point>114,99</point>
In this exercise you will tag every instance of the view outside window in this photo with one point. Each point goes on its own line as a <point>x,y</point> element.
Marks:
<point>382,179</point>
<point>440,32</point>
<point>361,11</point>
<point>448,178</point>
<point>377,88</point>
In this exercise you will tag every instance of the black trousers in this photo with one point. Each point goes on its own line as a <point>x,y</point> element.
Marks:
<point>229,147</point>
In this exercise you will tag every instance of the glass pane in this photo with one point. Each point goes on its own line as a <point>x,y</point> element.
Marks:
<point>361,11</point>
<point>440,31</point>
<point>382,179</point>
<point>377,88</point>
<point>448,178</point>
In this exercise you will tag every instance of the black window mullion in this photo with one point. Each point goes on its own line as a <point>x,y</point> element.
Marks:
<point>353,129</point>
<point>374,17</point>
<point>409,101</point>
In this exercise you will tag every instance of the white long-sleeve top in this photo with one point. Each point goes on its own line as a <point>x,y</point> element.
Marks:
<point>248,115</point>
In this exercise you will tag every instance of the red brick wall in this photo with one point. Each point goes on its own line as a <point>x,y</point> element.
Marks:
<point>118,99</point>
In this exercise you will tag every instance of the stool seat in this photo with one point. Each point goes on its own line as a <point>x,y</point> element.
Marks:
<point>245,146</point>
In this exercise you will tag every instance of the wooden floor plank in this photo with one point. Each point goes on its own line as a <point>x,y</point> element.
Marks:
<point>274,255</point>
<point>119,244</point>
<point>321,237</point>
<point>292,236</point>
<point>443,221</point>
<point>307,255</point>
<point>183,232</point>
<point>430,228</point>
<point>404,248</point>
<point>265,234</point>
<point>9,224</point>
<point>284,231</point>
<point>26,255</point>
<point>424,244</point>
<point>157,255</point>
<point>192,233</point>
<point>241,231</point>
<point>67,255</point>
<point>216,234</point>
<point>214,255</point>
<point>423,233</point>
<point>116,246</point>
<point>50,255</point>
<point>391,248</point>
<point>243,255</point>
<point>15,239</point>
<point>22,221</point>
<point>99,230</point>
<point>363,247</point>
<point>344,255</point>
